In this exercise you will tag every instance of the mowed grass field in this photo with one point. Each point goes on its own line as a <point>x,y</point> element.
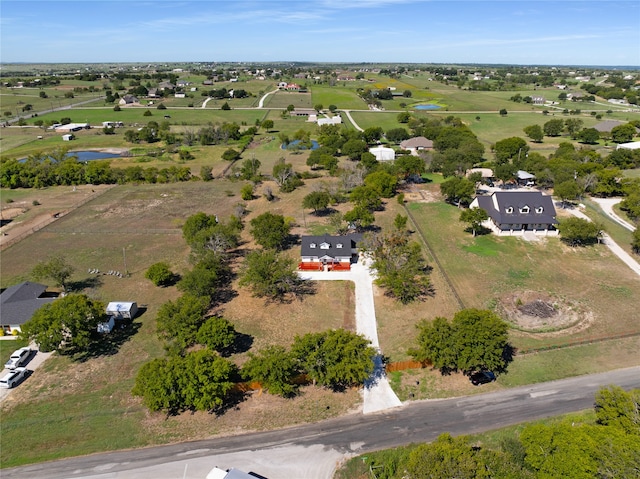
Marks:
<point>488,270</point>
<point>71,408</point>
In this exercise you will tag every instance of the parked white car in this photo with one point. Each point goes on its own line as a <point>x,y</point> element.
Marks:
<point>13,378</point>
<point>18,358</point>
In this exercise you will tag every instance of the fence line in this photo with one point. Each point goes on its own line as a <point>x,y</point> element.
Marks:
<point>435,258</point>
<point>54,217</point>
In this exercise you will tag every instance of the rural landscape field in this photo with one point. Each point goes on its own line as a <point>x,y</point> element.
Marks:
<point>236,144</point>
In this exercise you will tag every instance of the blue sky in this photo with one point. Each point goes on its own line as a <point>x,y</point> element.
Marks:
<point>604,32</point>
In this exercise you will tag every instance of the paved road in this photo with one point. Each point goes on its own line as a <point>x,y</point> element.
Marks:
<point>37,358</point>
<point>275,454</point>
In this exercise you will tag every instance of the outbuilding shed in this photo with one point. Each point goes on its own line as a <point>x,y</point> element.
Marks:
<point>382,153</point>
<point>122,310</point>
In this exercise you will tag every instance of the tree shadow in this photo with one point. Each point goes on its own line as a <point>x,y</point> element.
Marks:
<point>108,344</point>
<point>479,231</point>
<point>89,282</point>
<point>508,353</point>
<point>242,344</point>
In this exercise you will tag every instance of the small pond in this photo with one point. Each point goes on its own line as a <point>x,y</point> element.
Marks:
<point>292,145</point>
<point>428,106</point>
<point>87,155</point>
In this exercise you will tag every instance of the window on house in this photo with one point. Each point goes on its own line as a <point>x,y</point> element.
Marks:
<point>539,209</point>
<point>325,246</point>
<point>508,210</point>
<point>312,245</point>
<point>339,245</point>
<point>524,210</point>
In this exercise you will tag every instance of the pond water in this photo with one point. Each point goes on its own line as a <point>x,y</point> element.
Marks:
<point>88,155</point>
<point>291,145</point>
<point>428,106</point>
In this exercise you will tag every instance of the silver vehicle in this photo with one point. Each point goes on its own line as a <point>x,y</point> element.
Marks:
<point>18,358</point>
<point>13,378</point>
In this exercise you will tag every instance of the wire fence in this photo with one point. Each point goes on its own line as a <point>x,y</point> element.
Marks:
<point>56,216</point>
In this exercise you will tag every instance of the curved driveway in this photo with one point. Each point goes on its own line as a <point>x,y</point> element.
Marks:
<point>378,394</point>
<point>607,205</point>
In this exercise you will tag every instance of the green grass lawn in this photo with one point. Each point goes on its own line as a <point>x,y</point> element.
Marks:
<point>344,99</point>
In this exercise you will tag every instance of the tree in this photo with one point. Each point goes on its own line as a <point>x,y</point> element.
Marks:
<point>354,149</point>
<point>274,367</point>
<point>270,231</point>
<point>567,190</point>
<point>231,155</point>
<point>56,268</point>
<point>285,176</point>
<point>267,125</point>
<point>403,117</point>
<point>409,165</point>
<point>534,132</point>
<point>400,222</point>
<point>68,324</point>
<point>336,359</point>
<point>316,200</point>
<point>178,321</point>
<point>217,333</point>
<point>458,190</point>
<point>553,127</point>
<point>589,136</point>
<point>503,112</point>
<point>397,134</point>
<point>246,192</point>
<point>474,217</point>
<point>225,106</point>
<point>475,340</point>
<point>203,280</point>
<point>196,223</point>
<point>509,148</point>
<point>270,275</point>
<point>159,274</point>
<point>156,384</point>
<point>618,408</point>
<point>399,264</point>
<point>373,134</point>
<point>573,126</point>
<point>635,240</point>
<point>579,232</point>
<point>623,133</point>
<point>318,107</point>
<point>382,182</point>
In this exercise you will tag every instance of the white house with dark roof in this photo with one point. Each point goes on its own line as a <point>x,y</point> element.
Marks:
<point>19,302</point>
<point>518,212</point>
<point>328,249</point>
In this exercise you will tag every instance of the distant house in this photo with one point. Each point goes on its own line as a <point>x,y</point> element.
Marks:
<point>166,85</point>
<point>383,153</point>
<point>179,94</point>
<point>525,178</point>
<point>19,302</point>
<point>518,212</point>
<point>69,127</point>
<point>329,250</point>
<point>334,120</point>
<point>153,93</point>
<point>487,173</point>
<point>129,100</point>
<point>417,144</point>
<point>537,100</point>
<point>302,112</point>
<point>607,125</point>
<point>67,137</point>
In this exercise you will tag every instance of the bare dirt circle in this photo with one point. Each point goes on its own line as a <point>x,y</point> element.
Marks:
<point>535,312</point>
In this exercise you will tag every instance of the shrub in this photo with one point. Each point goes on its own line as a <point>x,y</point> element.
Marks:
<point>161,106</point>
<point>159,274</point>
<point>117,108</point>
<point>147,113</point>
<point>35,203</point>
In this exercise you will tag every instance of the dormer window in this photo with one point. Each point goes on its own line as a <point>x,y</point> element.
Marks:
<point>325,246</point>
<point>539,209</point>
<point>524,210</point>
<point>339,245</point>
<point>508,210</point>
<point>312,245</point>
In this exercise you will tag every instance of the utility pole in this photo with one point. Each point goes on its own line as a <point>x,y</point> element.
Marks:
<point>124,259</point>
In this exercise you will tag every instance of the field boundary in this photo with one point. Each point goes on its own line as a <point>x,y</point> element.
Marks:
<point>15,239</point>
<point>435,258</point>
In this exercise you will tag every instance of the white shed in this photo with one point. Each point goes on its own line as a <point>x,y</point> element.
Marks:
<point>382,153</point>
<point>122,310</point>
<point>634,145</point>
<point>67,137</point>
<point>107,326</point>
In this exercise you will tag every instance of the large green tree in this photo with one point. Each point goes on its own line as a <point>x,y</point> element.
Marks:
<point>623,133</point>
<point>336,359</point>
<point>553,127</point>
<point>159,274</point>
<point>475,339</point>
<point>275,368</point>
<point>271,231</point>
<point>179,320</point>
<point>270,275</point>
<point>68,324</point>
<point>458,190</point>
<point>317,201</point>
<point>534,132</point>
<point>579,232</point>
<point>56,268</point>
<point>510,148</point>
<point>217,333</point>
<point>474,218</point>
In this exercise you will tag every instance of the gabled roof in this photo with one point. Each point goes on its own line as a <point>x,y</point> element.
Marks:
<point>519,207</point>
<point>608,125</point>
<point>19,302</point>
<point>329,246</point>
<point>416,142</point>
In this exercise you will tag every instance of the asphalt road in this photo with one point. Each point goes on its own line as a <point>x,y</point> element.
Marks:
<point>419,421</point>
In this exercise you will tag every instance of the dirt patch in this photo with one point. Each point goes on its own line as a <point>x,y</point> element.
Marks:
<point>416,194</point>
<point>11,212</point>
<point>540,313</point>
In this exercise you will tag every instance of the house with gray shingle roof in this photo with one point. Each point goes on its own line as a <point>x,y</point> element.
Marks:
<point>19,302</point>
<point>518,212</point>
<point>329,249</point>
